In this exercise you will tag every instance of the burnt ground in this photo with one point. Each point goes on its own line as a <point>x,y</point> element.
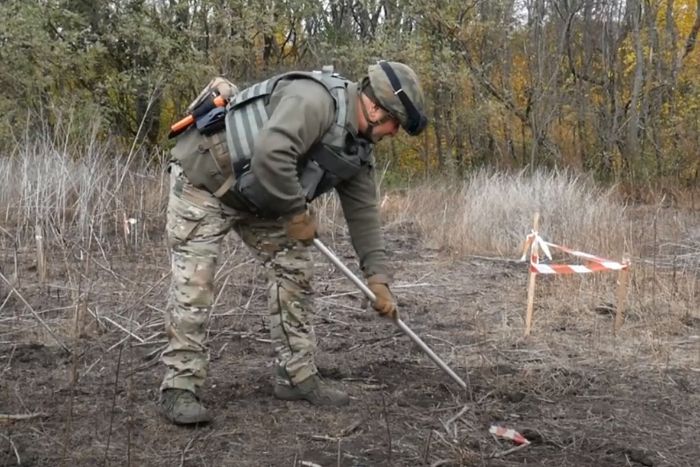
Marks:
<point>582,396</point>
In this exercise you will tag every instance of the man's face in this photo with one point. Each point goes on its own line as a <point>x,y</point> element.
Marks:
<point>388,126</point>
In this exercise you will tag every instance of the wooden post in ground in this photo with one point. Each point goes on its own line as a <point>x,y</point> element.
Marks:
<point>622,284</point>
<point>40,256</point>
<point>531,279</point>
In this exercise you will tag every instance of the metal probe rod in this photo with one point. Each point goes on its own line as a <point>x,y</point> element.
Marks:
<point>405,329</point>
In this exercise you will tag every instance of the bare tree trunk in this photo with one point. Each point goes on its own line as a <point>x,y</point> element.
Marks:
<point>632,146</point>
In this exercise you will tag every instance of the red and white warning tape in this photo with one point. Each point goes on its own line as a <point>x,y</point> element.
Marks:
<point>508,433</point>
<point>592,263</point>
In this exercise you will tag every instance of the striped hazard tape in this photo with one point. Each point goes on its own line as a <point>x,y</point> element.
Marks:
<point>592,263</point>
<point>508,433</point>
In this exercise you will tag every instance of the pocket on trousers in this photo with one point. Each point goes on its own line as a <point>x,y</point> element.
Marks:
<point>183,221</point>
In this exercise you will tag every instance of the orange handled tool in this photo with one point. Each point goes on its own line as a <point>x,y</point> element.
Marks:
<point>202,109</point>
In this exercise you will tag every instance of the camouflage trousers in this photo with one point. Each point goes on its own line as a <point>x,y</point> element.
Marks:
<point>197,222</point>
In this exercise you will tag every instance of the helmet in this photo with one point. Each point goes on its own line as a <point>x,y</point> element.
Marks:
<point>397,89</point>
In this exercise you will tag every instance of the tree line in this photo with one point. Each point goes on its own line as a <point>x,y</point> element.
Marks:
<point>610,87</point>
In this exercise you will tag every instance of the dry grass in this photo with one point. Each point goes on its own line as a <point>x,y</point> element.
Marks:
<point>491,213</point>
<point>79,193</point>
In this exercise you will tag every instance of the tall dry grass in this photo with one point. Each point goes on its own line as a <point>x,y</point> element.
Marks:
<point>74,188</point>
<point>79,190</point>
<point>490,213</point>
<point>68,182</point>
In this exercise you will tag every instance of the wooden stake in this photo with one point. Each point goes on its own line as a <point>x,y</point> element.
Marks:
<point>40,256</point>
<point>622,284</point>
<point>531,280</point>
<point>125,228</point>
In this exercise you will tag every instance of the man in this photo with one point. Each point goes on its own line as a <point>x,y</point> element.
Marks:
<point>254,166</point>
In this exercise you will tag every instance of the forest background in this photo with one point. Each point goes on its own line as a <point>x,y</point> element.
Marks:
<point>610,88</point>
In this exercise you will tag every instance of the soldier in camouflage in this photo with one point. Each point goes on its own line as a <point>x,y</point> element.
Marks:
<point>283,142</point>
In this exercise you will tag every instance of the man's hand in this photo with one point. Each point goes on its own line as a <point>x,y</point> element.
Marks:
<point>302,227</point>
<point>385,303</point>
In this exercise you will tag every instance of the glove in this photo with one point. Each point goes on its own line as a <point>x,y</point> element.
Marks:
<point>302,227</point>
<point>385,303</point>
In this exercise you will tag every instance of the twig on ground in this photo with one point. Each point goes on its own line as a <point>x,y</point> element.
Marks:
<point>426,451</point>
<point>28,416</point>
<point>218,272</point>
<point>497,259</point>
<point>120,279</point>
<point>122,328</point>
<point>410,286</point>
<point>150,342</point>
<point>164,276</point>
<point>250,299</point>
<point>46,326</point>
<point>9,360</point>
<point>221,350</point>
<point>342,305</point>
<point>509,451</point>
<point>441,340</point>
<point>324,438</point>
<point>159,310</point>
<point>339,294</point>
<point>14,448</point>
<point>388,429</point>
<point>349,429</point>
<point>7,233</point>
<point>343,433</point>
<point>333,320</point>
<point>454,418</point>
<point>6,299</point>
<point>143,295</point>
<point>88,369</point>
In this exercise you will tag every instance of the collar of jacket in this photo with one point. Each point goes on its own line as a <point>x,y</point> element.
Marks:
<point>352,108</point>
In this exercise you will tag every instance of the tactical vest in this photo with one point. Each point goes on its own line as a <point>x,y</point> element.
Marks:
<point>337,157</point>
<point>219,161</point>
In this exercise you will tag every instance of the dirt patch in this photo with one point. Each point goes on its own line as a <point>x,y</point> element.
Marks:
<point>582,397</point>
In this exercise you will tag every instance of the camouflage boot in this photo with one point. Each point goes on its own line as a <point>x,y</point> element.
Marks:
<point>313,389</point>
<point>182,407</point>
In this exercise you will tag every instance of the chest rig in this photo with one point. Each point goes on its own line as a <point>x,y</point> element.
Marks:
<point>338,156</point>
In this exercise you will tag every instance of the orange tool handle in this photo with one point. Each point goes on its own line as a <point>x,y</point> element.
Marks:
<point>179,126</point>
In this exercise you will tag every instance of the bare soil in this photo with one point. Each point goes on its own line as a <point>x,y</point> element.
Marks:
<point>580,395</point>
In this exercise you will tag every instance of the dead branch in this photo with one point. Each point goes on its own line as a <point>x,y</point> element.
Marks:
<point>509,451</point>
<point>36,315</point>
<point>6,418</point>
<point>14,448</point>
